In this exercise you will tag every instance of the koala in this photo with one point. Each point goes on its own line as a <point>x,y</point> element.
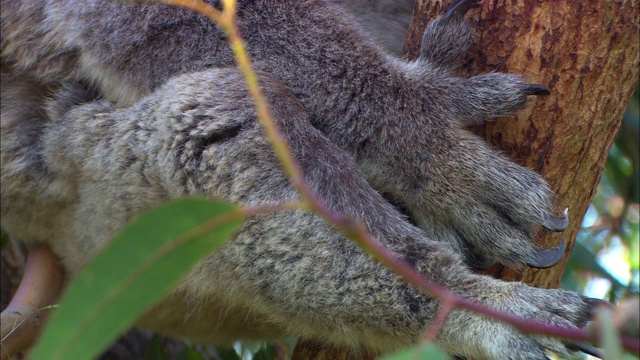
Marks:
<point>114,108</point>
<point>360,97</point>
<point>386,20</point>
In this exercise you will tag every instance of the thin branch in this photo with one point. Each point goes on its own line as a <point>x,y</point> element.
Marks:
<point>444,309</point>
<point>40,286</point>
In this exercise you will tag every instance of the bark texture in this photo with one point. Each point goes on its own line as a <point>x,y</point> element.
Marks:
<point>586,52</point>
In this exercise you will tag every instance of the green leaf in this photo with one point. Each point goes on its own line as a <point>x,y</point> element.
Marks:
<point>584,259</point>
<point>136,269</point>
<point>428,351</point>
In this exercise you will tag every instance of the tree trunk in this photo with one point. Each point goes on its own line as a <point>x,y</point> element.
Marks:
<point>587,53</point>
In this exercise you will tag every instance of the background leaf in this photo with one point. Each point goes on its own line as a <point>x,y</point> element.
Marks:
<point>429,351</point>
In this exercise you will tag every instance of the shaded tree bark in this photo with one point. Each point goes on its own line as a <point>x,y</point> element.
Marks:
<point>587,53</point>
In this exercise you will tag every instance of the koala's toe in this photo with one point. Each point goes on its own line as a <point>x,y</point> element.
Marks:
<point>536,89</point>
<point>566,305</point>
<point>595,303</point>
<point>460,8</point>
<point>586,349</point>
<point>557,224</point>
<point>489,234</point>
<point>546,258</point>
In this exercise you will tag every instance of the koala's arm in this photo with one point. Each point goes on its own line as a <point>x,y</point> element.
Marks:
<point>198,136</point>
<point>402,122</point>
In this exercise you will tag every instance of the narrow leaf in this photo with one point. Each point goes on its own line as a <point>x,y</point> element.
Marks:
<point>138,268</point>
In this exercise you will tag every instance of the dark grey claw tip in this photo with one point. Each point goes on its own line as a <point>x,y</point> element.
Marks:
<point>460,8</point>
<point>586,348</point>
<point>546,258</point>
<point>536,89</point>
<point>556,224</point>
<point>595,303</point>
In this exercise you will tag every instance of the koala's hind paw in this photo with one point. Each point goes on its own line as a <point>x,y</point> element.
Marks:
<point>488,208</point>
<point>500,341</point>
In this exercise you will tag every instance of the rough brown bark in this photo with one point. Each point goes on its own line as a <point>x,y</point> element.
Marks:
<point>587,53</point>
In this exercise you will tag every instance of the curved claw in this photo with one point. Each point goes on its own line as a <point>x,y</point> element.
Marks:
<point>556,224</point>
<point>586,348</point>
<point>536,89</point>
<point>460,8</point>
<point>595,303</point>
<point>546,258</point>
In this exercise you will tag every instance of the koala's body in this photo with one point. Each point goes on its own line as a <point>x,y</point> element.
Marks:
<point>175,120</point>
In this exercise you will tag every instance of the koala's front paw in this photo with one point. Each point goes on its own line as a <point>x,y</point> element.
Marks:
<point>487,206</point>
<point>494,340</point>
<point>445,43</point>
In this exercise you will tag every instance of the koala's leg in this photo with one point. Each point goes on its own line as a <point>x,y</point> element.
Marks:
<point>198,136</point>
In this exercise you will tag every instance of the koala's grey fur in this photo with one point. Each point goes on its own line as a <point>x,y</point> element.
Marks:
<point>403,122</point>
<point>386,20</point>
<point>176,121</point>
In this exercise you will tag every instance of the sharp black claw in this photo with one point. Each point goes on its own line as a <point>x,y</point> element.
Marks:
<point>546,258</point>
<point>460,8</point>
<point>586,348</point>
<point>536,89</point>
<point>595,303</point>
<point>556,224</point>
<point>479,262</point>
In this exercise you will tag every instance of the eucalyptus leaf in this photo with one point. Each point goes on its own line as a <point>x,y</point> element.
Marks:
<point>135,270</point>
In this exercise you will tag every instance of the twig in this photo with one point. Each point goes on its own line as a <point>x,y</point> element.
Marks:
<point>39,287</point>
<point>444,310</point>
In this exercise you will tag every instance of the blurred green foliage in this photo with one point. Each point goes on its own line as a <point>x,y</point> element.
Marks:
<point>605,260</point>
